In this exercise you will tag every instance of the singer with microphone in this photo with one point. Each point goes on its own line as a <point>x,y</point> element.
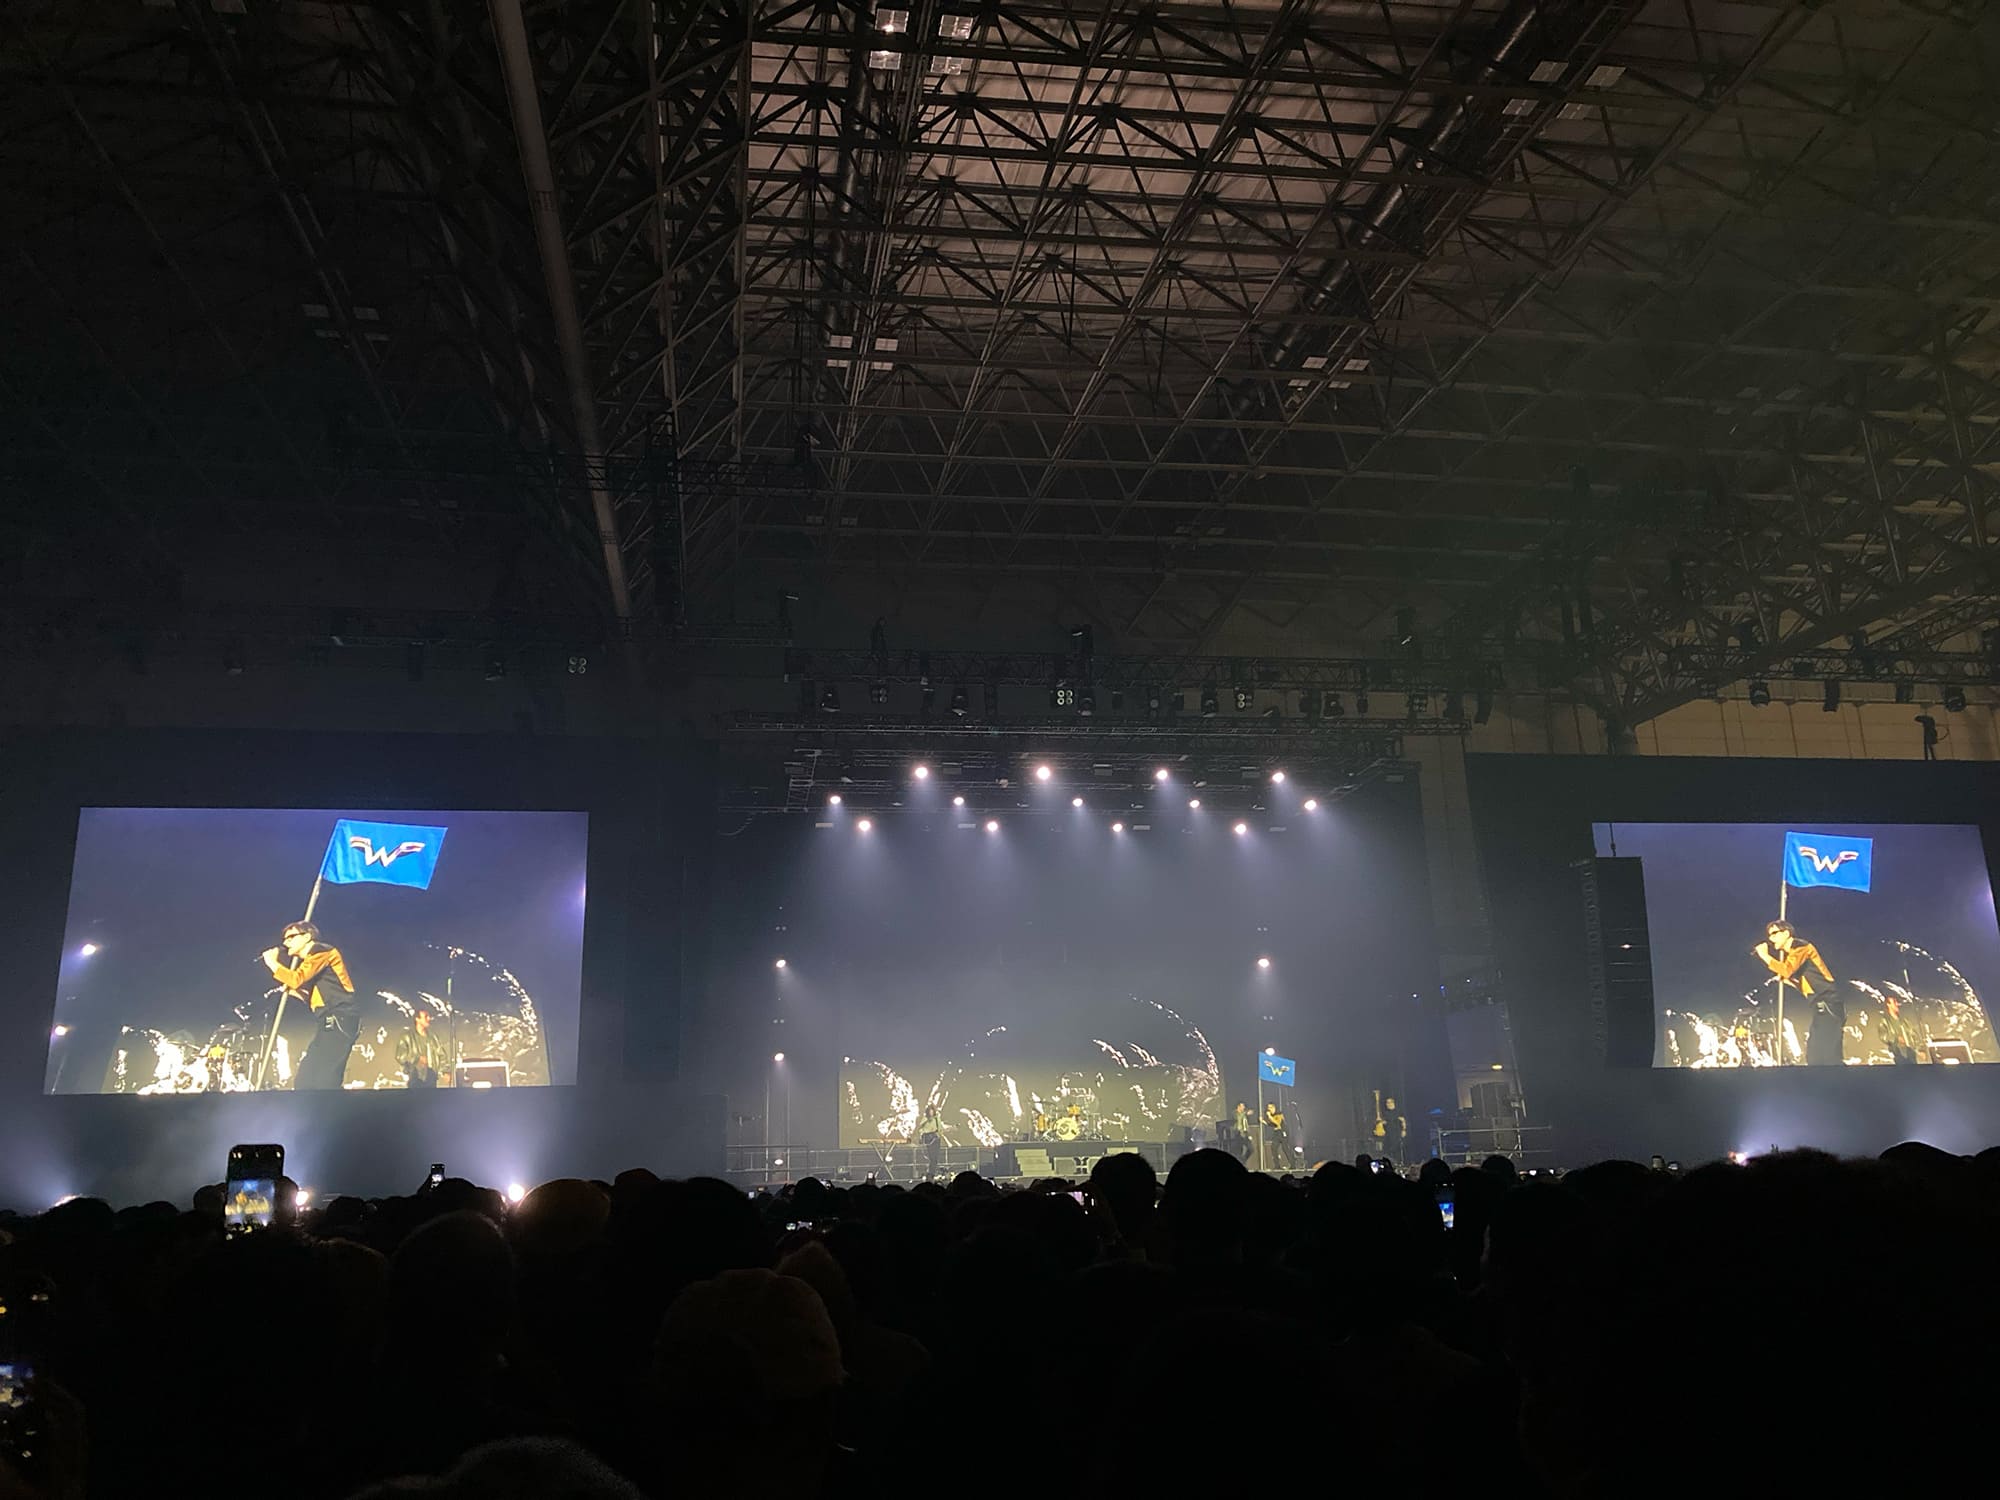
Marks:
<point>315,973</point>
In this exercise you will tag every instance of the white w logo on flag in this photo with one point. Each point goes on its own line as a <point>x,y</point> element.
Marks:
<point>384,856</point>
<point>1826,864</point>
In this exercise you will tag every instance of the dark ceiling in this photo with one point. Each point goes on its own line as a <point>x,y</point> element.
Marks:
<point>1656,333</point>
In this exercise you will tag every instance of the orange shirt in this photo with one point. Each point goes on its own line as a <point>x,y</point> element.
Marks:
<point>303,977</point>
<point>1787,962</point>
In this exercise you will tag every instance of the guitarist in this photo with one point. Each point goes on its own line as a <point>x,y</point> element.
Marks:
<point>315,972</point>
<point>419,1051</point>
<point>930,1131</point>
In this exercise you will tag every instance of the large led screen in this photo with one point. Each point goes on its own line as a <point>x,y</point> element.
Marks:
<point>225,950</point>
<point>1821,944</point>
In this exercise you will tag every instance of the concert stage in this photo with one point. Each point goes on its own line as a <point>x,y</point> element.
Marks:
<point>1015,1161</point>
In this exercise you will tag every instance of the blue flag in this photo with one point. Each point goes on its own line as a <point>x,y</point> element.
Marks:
<point>1276,1069</point>
<point>1829,859</point>
<point>386,853</point>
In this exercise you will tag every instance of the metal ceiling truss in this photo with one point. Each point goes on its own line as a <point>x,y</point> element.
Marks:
<point>1589,331</point>
<point>1162,672</point>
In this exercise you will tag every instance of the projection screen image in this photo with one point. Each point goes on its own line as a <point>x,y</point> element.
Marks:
<point>229,950</point>
<point>1825,944</point>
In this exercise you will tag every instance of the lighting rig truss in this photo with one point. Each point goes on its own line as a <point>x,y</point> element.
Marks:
<point>871,773</point>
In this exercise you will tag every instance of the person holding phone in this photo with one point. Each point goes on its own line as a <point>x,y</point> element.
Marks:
<point>316,973</point>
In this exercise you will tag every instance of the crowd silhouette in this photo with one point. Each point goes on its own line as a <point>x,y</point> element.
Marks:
<point>1798,1322</point>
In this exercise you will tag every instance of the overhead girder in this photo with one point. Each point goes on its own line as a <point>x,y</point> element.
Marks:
<point>1665,317</point>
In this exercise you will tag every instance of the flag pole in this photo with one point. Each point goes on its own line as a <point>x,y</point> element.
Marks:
<point>278,1019</point>
<point>1784,890</point>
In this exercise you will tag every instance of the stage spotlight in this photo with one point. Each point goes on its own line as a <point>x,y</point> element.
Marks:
<point>958,801</point>
<point>1086,703</point>
<point>1760,694</point>
<point>1499,1067</point>
<point>992,825</point>
<point>829,700</point>
<point>958,705</point>
<point>1241,828</point>
<point>1117,827</point>
<point>1277,778</point>
<point>87,949</point>
<point>878,692</point>
<point>59,1032</point>
<point>1270,1051</point>
<point>1152,703</point>
<point>302,1198</point>
<point>1194,804</point>
<point>1334,707</point>
<point>780,964</point>
<point>516,1192</point>
<point>866,825</point>
<point>1263,963</point>
<point>1312,804</point>
<point>1243,698</point>
<point>777,1057</point>
<point>922,773</point>
<point>1076,802</point>
<point>1043,773</point>
<point>834,800</point>
<point>1209,704</point>
<point>1160,774</point>
<point>1954,700</point>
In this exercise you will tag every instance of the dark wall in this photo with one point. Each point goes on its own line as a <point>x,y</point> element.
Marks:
<point>1533,817</point>
<point>650,824</point>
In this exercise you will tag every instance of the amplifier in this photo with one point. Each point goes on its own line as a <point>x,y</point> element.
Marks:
<point>481,1073</point>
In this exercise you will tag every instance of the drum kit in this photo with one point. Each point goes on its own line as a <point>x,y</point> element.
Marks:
<point>1075,1118</point>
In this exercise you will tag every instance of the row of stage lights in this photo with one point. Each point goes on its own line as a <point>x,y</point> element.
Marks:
<point>1045,774</point>
<point>1263,967</point>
